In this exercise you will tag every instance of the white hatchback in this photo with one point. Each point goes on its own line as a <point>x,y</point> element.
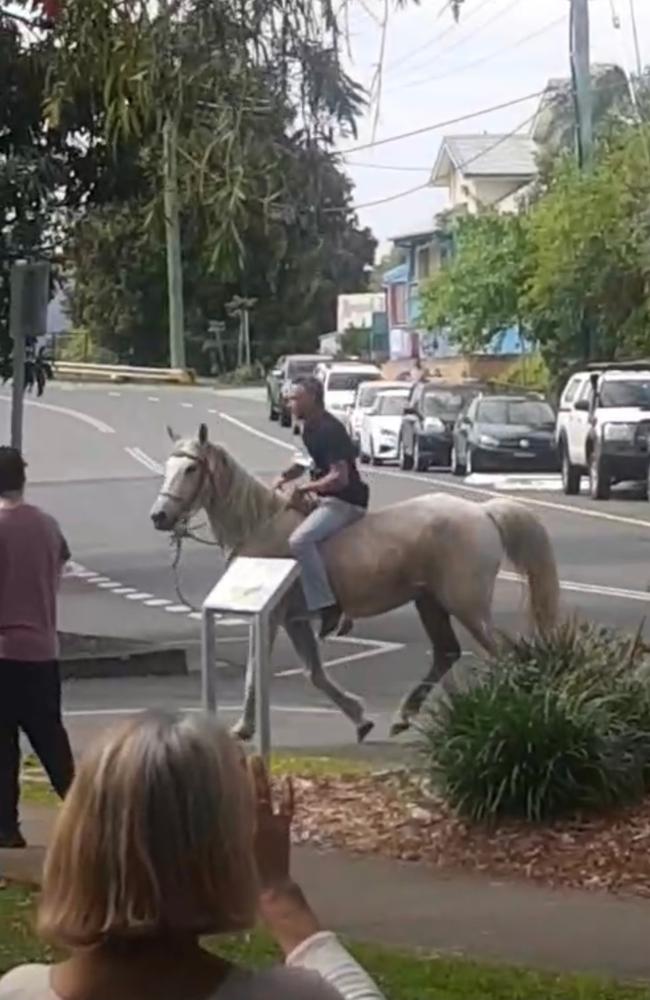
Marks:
<point>340,382</point>
<point>364,399</point>
<point>381,425</point>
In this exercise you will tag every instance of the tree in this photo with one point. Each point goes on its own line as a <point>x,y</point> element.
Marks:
<point>589,255</point>
<point>478,293</point>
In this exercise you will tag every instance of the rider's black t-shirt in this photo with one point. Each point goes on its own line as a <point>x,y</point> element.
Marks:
<point>328,442</point>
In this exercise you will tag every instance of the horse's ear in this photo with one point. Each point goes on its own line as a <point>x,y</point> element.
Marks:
<point>203,434</point>
<point>172,434</point>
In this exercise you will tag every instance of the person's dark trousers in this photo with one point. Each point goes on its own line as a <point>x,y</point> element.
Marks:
<point>30,699</point>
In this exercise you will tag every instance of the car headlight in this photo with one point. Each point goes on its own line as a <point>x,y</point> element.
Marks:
<point>433,424</point>
<point>488,441</point>
<point>619,432</point>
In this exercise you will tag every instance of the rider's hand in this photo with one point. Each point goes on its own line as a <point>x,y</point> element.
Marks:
<point>278,483</point>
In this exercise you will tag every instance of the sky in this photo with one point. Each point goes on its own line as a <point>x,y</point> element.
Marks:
<point>435,70</point>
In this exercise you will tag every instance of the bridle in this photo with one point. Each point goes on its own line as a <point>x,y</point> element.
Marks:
<point>182,528</point>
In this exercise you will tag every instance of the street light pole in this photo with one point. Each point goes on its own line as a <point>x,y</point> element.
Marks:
<point>581,73</point>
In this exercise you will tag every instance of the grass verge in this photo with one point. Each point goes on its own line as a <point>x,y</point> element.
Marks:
<point>402,976</point>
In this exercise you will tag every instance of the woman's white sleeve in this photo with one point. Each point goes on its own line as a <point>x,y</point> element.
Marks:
<point>324,953</point>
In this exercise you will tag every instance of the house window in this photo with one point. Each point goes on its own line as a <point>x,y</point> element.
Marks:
<point>424,263</point>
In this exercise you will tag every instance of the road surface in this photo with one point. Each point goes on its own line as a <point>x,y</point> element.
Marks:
<point>95,458</point>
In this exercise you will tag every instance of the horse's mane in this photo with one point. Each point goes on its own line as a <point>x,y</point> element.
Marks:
<point>240,504</point>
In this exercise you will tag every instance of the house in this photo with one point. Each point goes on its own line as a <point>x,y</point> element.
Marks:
<point>484,171</point>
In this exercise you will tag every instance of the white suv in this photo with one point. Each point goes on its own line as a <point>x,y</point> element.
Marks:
<point>603,427</point>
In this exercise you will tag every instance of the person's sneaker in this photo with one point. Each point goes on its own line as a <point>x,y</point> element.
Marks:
<point>12,838</point>
<point>330,620</point>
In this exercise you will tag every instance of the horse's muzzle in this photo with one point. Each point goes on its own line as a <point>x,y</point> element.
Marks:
<point>161,520</point>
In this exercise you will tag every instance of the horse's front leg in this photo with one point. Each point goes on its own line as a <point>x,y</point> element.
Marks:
<point>244,729</point>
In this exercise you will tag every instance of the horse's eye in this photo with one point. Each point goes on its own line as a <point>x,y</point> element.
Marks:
<point>190,469</point>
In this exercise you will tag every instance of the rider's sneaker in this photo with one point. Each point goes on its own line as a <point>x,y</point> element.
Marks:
<point>330,620</point>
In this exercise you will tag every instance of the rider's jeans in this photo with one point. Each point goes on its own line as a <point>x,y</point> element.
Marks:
<point>330,517</point>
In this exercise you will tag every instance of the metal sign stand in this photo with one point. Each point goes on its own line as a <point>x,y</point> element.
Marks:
<point>250,589</point>
<point>29,296</point>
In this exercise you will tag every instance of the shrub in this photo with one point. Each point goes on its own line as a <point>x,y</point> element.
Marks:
<point>554,726</point>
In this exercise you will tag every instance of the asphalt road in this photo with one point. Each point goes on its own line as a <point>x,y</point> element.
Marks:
<point>95,456</point>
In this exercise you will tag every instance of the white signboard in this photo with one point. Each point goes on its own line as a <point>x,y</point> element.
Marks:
<point>355,311</point>
<point>249,585</point>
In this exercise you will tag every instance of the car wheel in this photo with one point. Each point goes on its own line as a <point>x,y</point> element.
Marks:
<point>600,484</point>
<point>373,458</point>
<point>456,468</point>
<point>570,474</point>
<point>285,418</point>
<point>273,413</point>
<point>296,429</point>
<point>405,460</point>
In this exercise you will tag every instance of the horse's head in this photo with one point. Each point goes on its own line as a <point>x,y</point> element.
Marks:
<point>190,473</point>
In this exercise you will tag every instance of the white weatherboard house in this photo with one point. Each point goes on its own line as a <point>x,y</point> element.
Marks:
<point>485,171</point>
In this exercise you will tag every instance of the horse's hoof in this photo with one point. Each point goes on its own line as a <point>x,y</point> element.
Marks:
<point>400,726</point>
<point>364,729</point>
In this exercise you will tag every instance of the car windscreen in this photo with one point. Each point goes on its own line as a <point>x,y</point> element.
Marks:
<point>391,406</point>
<point>636,392</point>
<point>299,369</point>
<point>524,412</point>
<point>348,381</point>
<point>444,403</point>
<point>368,394</point>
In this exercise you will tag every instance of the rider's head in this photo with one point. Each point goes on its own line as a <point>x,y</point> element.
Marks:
<point>12,472</point>
<point>307,398</point>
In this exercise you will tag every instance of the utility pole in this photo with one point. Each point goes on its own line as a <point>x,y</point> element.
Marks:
<point>581,78</point>
<point>173,226</point>
<point>28,298</point>
<point>637,44</point>
<point>581,74</point>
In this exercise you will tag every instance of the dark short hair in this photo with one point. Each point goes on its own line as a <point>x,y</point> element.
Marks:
<point>313,386</point>
<point>12,470</point>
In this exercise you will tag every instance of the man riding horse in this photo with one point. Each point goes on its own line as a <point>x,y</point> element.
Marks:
<point>335,493</point>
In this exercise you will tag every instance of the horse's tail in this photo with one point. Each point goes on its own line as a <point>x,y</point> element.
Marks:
<point>529,549</point>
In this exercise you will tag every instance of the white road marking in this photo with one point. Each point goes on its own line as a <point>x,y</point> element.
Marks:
<point>551,483</point>
<point>153,399</point>
<point>115,395</point>
<point>564,508</point>
<point>91,713</point>
<point>374,647</point>
<point>256,433</point>
<point>149,463</point>
<point>157,602</point>
<point>588,588</point>
<point>178,609</point>
<point>188,406</point>
<point>213,412</point>
<point>109,585</point>
<point>123,591</point>
<point>98,425</point>
<point>138,596</point>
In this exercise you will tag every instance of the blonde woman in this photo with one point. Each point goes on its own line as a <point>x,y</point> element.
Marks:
<point>164,838</point>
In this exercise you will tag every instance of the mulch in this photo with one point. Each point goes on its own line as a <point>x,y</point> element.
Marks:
<point>390,815</point>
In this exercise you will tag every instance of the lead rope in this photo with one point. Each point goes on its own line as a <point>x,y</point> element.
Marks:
<point>182,531</point>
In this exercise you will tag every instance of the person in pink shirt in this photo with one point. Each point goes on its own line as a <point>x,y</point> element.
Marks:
<point>33,552</point>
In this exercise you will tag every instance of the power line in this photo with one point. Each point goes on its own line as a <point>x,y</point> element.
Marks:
<point>443,124</point>
<point>444,52</point>
<point>438,37</point>
<point>387,166</point>
<point>484,59</point>
<point>420,187</point>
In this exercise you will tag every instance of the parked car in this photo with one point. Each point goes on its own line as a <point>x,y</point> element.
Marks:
<point>340,383</point>
<point>603,427</point>
<point>429,417</point>
<point>505,433</point>
<point>364,400</point>
<point>380,427</point>
<point>280,379</point>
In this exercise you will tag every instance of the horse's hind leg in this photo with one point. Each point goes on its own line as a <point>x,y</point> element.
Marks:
<point>305,644</point>
<point>446,650</point>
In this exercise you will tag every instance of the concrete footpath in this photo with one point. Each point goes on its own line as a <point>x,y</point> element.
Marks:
<point>414,907</point>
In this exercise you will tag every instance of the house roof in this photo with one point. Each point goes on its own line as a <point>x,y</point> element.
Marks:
<point>484,156</point>
<point>396,275</point>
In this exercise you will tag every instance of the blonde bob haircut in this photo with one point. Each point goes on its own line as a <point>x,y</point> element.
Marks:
<point>155,837</point>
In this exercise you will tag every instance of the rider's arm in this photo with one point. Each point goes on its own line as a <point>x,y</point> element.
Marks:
<point>333,481</point>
